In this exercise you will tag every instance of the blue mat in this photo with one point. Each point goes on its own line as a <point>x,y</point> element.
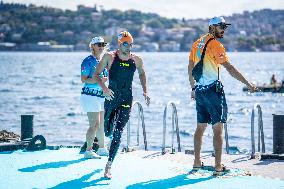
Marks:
<point>66,168</point>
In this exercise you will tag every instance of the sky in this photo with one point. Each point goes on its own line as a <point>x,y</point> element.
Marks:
<point>189,9</point>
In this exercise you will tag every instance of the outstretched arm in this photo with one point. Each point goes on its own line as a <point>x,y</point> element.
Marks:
<point>142,77</point>
<point>237,75</point>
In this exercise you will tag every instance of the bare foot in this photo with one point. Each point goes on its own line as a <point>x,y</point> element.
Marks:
<point>107,173</point>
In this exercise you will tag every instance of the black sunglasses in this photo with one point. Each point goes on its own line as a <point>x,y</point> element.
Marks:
<point>101,44</point>
<point>222,26</point>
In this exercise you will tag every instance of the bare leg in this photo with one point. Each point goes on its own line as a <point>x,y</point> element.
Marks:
<point>93,118</point>
<point>107,173</point>
<point>197,143</point>
<point>100,132</point>
<point>218,143</point>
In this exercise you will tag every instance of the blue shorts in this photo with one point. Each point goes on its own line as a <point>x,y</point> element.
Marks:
<point>211,106</point>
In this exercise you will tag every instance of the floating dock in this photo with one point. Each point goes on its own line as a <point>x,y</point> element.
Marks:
<point>66,168</point>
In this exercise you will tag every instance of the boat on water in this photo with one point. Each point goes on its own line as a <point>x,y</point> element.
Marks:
<point>278,88</point>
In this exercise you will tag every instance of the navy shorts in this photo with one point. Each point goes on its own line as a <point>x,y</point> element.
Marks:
<point>211,106</point>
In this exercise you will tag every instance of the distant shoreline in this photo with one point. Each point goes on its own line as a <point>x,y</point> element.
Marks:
<point>34,28</point>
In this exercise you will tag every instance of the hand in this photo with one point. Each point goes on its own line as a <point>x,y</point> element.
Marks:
<point>104,79</point>
<point>147,98</point>
<point>108,93</point>
<point>252,88</point>
<point>193,95</point>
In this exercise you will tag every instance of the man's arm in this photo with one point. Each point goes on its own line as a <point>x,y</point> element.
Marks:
<point>237,75</point>
<point>142,77</point>
<point>100,67</point>
<point>92,80</point>
<point>190,78</point>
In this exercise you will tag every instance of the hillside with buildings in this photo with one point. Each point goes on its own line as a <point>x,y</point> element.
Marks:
<point>33,28</point>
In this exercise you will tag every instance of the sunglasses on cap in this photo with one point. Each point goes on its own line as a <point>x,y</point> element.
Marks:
<point>126,44</point>
<point>101,44</point>
<point>222,26</point>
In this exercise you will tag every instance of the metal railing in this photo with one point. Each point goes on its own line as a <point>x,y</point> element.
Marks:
<point>174,125</point>
<point>260,131</point>
<point>140,118</point>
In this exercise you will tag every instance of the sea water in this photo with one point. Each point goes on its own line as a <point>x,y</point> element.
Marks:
<point>48,85</point>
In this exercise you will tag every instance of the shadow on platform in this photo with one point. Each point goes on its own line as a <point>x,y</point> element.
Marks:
<point>173,182</point>
<point>49,165</point>
<point>81,182</point>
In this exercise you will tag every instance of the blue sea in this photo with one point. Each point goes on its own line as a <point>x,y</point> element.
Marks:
<point>47,85</point>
